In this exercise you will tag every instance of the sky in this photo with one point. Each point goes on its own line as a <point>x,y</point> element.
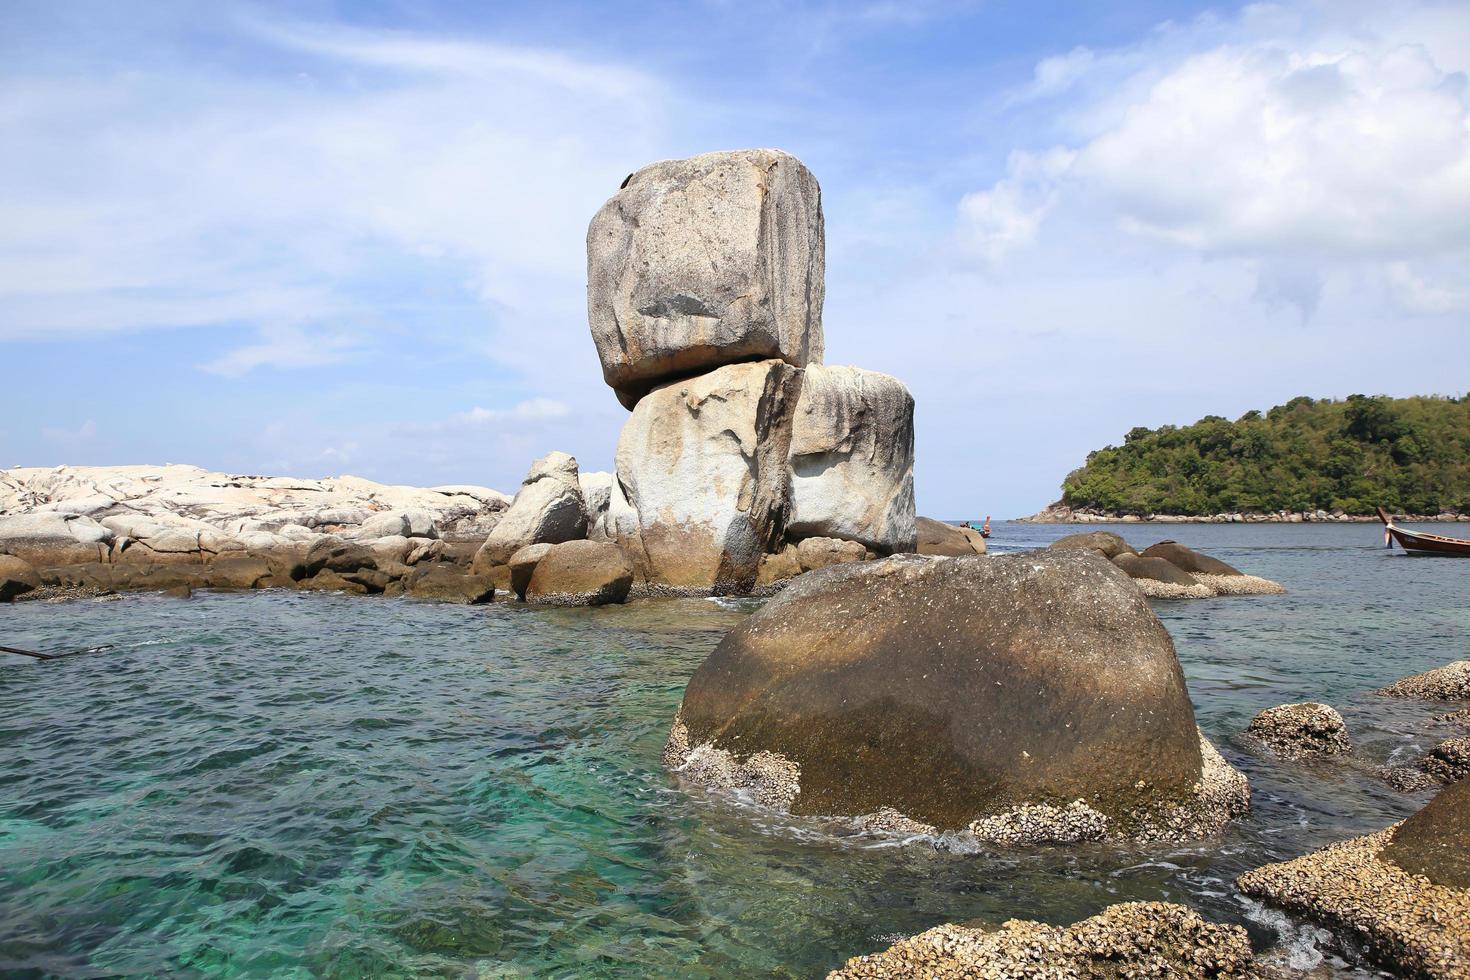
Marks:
<point>321,238</point>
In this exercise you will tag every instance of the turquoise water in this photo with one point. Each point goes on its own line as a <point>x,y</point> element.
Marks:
<point>278,784</point>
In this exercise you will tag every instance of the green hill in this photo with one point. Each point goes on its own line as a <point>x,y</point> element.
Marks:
<point>1412,455</point>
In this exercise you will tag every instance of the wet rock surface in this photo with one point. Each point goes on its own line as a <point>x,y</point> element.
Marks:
<point>1039,678</point>
<point>1295,731</point>
<point>1445,763</point>
<point>1131,939</point>
<point>1406,901</point>
<point>1448,683</point>
<point>449,583</point>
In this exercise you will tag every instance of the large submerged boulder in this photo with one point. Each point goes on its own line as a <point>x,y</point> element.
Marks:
<point>1404,892</point>
<point>991,695</point>
<point>704,465</point>
<point>548,509</point>
<point>852,459</point>
<point>703,262</point>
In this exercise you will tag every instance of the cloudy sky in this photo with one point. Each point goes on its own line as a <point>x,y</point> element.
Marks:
<point>321,238</point>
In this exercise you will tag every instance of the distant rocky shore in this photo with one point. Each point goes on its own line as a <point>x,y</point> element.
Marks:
<point>1060,513</point>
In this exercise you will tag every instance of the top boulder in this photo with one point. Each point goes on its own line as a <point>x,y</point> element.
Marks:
<point>702,262</point>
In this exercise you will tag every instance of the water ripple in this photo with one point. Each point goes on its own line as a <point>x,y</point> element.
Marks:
<point>316,785</point>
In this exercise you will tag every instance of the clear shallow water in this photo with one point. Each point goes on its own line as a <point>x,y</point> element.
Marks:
<point>307,785</point>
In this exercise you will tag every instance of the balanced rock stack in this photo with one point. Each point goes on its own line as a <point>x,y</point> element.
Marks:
<point>704,295</point>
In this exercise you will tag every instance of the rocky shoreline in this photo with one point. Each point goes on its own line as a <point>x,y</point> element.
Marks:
<point>1059,513</point>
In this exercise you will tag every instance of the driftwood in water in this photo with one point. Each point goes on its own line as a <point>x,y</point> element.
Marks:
<point>53,656</point>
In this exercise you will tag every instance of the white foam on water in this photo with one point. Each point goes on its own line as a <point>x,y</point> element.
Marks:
<point>1300,945</point>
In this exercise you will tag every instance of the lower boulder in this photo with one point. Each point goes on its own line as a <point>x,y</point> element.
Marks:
<point>243,572</point>
<point>704,463</point>
<point>1404,892</point>
<point>960,695</point>
<point>443,582</point>
<point>580,573</point>
<point>1224,579</point>
<point>1161,579</point>
<point>522,566</point>
<point>778,567</point>
<point>815,553</point>
<point>16,577</point>
<point>852,459</point>
<point>1131,939</point>
<point>947,540</point>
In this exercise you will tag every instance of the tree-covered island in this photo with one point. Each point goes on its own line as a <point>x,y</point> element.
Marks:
<point>1410,455</point>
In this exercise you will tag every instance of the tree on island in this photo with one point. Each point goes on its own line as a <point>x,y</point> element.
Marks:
<point>1411,455</point>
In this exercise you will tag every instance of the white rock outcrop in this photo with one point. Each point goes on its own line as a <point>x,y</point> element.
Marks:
<point>698,263</point>
<point>548,509</point>
<point>597,488</point>
<point>852,459</point>
<point>54,538</point>
<point>703,462</point>
<point>232,504</point>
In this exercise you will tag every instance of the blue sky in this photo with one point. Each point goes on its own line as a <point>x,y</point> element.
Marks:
<point>325,238</point>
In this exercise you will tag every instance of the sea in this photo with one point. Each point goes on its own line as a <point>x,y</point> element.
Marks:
<point>304,785</point>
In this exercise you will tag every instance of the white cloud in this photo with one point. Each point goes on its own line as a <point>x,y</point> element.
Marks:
<point>1417,294</point>
<point>1279,139</point>
<point>1243,150</point>
<point>1058,73</point>
<point>284,347</point>
<point>189,195</point>
<point>531,410</point>
<point>71,438</point>
<point>997,221</point>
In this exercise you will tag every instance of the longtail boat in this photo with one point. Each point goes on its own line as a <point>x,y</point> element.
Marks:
<point>1418,542</point>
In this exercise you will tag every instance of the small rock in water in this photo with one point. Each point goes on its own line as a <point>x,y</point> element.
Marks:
<point>1131,939</point>
<point>1448,683</point>
<point>1298,730</point>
